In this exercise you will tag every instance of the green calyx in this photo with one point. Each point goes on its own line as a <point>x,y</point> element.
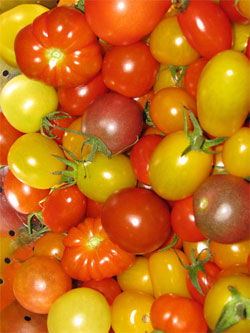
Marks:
<point>235,310</point>
<point>197,142</point>
<point>94,242</point>
<point>146,114</point>
<point>171,245</point>
<point>177,73</point>
<point>54,55</point>
<point>181,5</point>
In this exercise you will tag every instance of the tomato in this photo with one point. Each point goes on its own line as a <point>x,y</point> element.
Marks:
<point>5,5</point>
<point>235,153</point>
<point>81,309</point>
<point>115,119</point>
<point>50,245</point>
<point>136,277</point>
<point>167,273</point>
<point>58,52</point>
<point>136,219</point>
<point>169,45</point>
<point>244,8</point>
<point>166,109</point>
<point>124,22</point>
<point>109,287</point>
<point>197,248</point>
<point>8,135</point>
<point>64,208</point>
<point>14,20</point>
<point>94,208</point>
<point>173,313</point>
<point>22,197</point>
<point>31,160</point>
<point>208,37</point>
<point>223,93</point>
<point>100,178</point>
<point>219,295</point>
<point>228,255</point>
<point>75,100</point>
<point>15,318</point>
<point>248,48</point>
<point>140,156</point>
<point>131,312</point>
<point>165,78</point>
<point>230,8</point>
<point>90,255</point>
<point>192,75</point>
<point>241,34</point>
<point>39,282</point>
<point>24,102</point>
<point>130,70</point>
<point>175,177</point>
<point>183,221</point>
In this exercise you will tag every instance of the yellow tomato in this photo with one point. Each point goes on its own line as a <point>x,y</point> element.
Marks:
<point>244,7</point>
<point>198,247</point>
<point>241,33</point>
<point>219,295</point>
<point>165,79</point>
<point>130,312</point>
<point>11,22</point>
<point>167,273</point>
<point>136,277</point>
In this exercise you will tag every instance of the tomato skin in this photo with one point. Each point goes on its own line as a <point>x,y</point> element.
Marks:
<point>183,221</point>
<point>168,169</point>
<point>207,36</point>
<point>136,219</point>
<point>8,135</point>
<point>94,208</point>
<point>223,93</point>
<point>192,75</point>
<point>173,313</point>
<point>140,156</point>
<point>68,56</point>
<point>39,282</point>
<point>248,48</point>
<point>111,20</point>
<point>64,208</point>
<point>90,254</point>
<point>130,70</point>
<point>75,100</point>
<point>229,8</point>
<point>50,245</point>
<point>22,197</point>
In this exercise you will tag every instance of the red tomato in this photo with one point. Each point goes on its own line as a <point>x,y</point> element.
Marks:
<point>94,208</point>
<point>172,313</point>
<point>230,8</point>
<point>8,135</point>
<point>206,27</point>
<point>23,198</point>
<point>64,208</point>
<point>90,255</point>
<point>183,221</point>
<point>50,245</point>
<point>75,100</point>
<point>140,156</point>
<point>124,22</point>
<point>192,74</point>
<point>109,287</point>
<point>130,70</point>
<point>136,219</point>
<point>60,48</point>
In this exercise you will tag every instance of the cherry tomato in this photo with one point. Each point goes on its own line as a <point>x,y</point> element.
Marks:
<point>192,75</point>
<point>94,208</point>
<point>50,245</point>
<point>198,247</point>
<point>241,34</point>
<point>165,78</point>
<point>230,8</point>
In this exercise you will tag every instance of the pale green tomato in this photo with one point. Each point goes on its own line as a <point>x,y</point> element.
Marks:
<point>100,178</point>
<point>24,102</point>
<point>223,99</point>
<point>31,160</point>
<point>11,22</point>
<point>80,310</point>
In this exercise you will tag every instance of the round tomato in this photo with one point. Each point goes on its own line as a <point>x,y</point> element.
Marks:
<point>81,309</point>
<point>50,245</point>
<point>169,76</point>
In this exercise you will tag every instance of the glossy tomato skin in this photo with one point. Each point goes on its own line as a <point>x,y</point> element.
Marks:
<point>192,75</point>
<point>173,313</point>
<point>230,8</point>
<point>115,119</point>
<point>206,27</point>
<point>223,93</point>
<point>136,219</point>
<point>22,197</point>
<point>91,255</point>
<point>50,245</point>
<point>64,208</point>
<point>68,56</point>
<point>124,22</point>
<point>39,282</point>
<point>75,100</point>
<point>130,70</point>
<point>140,156</point>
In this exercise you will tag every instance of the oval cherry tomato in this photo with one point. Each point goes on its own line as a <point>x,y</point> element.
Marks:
<point>192,75</point>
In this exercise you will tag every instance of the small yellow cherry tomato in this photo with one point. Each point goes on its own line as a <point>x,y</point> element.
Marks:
<point>241,33</point>
<point>198,247</point>
<point>165,79</point>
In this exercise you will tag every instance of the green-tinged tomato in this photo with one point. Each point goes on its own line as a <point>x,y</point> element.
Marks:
<point>31,160</point>
<point>80,310</point>
<point>100,178</point>
<point>223,98</point>
<point>12,21</point>
<point>24,102</point>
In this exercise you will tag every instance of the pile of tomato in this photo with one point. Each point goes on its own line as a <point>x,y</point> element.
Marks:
<point>125,166</point>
